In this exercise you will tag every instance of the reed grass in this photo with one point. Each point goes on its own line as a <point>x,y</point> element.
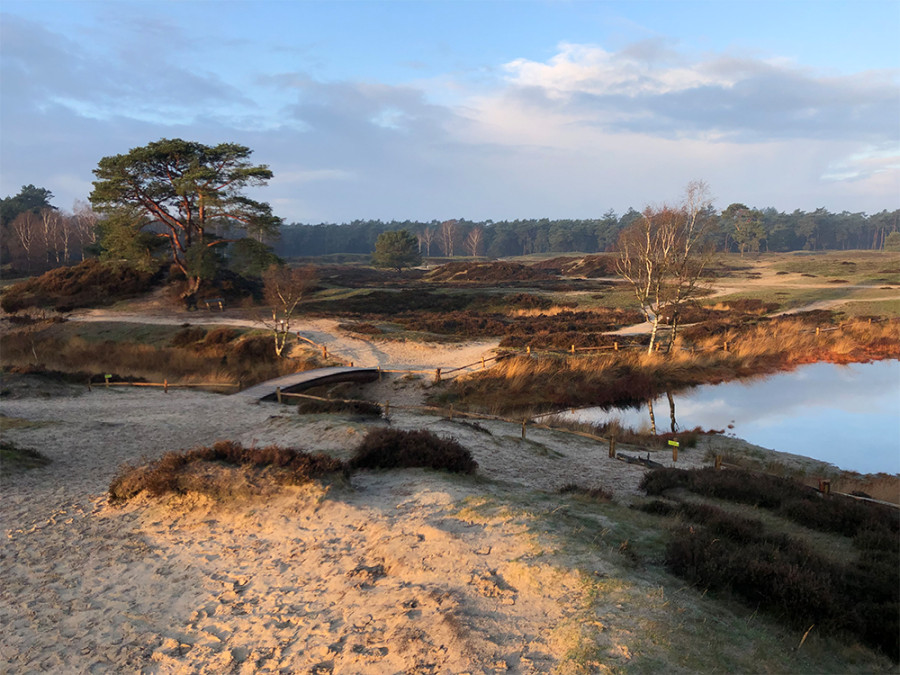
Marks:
<point>217,357</point>
<point>552,382</point>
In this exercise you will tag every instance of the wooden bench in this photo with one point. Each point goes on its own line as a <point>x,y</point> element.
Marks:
<point>210,303</point>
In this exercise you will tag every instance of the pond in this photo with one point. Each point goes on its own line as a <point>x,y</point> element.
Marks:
<point>847,415</point>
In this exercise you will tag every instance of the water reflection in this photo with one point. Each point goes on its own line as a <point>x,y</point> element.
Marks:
<point>846,415</point>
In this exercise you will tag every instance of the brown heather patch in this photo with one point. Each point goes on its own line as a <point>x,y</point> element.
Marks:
<point>86,284</point>
<point>184,471</point>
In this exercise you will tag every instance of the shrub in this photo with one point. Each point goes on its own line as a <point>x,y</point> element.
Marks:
<point>778,573</point>
<point>171,474</point>
<point>486,272</point>
<point>311,406</point>
<point>220,336</point>
<point>360,327</point>
<point>187,336</point>
<point>395,448</point>
<point>596,494</point>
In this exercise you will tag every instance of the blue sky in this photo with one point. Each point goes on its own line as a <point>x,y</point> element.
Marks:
<point>471,109</point>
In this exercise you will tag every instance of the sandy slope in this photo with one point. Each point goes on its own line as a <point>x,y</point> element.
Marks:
<point>387,574</point>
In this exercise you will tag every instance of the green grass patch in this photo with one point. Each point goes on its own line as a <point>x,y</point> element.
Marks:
<point>8,423</point>
<point>854,266</point>
<point>14,458</point>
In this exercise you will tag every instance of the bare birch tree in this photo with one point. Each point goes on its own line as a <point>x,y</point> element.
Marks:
<point>26,229</point>
<point>448,237</point>
<point>84,223</point>
<point>662,255</point>
<point>284,289</point>
<point>473,241</point>
<point>426,239</point>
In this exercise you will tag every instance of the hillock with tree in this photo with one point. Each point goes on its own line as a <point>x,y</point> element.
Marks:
<point>189,195</point>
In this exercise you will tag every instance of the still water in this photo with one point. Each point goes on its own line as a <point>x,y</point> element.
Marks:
<point>848,415</point>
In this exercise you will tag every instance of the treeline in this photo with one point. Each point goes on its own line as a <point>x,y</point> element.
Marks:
<point>35,236</point>
<point>738,229</point>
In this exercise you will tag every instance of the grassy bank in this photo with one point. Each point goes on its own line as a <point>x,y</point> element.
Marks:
<point>530,384</point>
<point>150,353</point>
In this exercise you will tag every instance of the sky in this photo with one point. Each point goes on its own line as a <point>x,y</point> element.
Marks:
<point>468,109</point>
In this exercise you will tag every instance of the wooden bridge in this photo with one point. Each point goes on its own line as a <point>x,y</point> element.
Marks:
<point>266,391</point>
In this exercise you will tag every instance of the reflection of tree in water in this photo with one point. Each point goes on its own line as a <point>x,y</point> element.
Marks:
<point>672,421</point>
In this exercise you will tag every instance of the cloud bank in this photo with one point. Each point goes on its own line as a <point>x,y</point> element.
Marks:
<point>583,131</point>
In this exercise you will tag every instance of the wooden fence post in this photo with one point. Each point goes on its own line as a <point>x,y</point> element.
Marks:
<point>451,412</point>
<point>718,462</point>
<point>528,350</point>
<point>573,349</point>
<point>166,385</point>
<point>89,385</point>
<point>387,408</point>
<point>615,346</point>
<point>524,422</point>
<point>482,363</point>
<point>437,375</point>
<point>278,393</point>
<point>612,447</point>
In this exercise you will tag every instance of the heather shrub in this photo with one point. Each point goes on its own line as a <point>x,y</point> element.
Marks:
<point>220,336</point>
<point>13,458</point>
<point>778,573</point>
<point>187,336</point>
<point>172,473</point>
<point>395,448</point>
<point>596,494</point>
<point>311,406</point>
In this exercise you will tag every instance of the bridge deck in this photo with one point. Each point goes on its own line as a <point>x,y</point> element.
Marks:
<point>265,391</point>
